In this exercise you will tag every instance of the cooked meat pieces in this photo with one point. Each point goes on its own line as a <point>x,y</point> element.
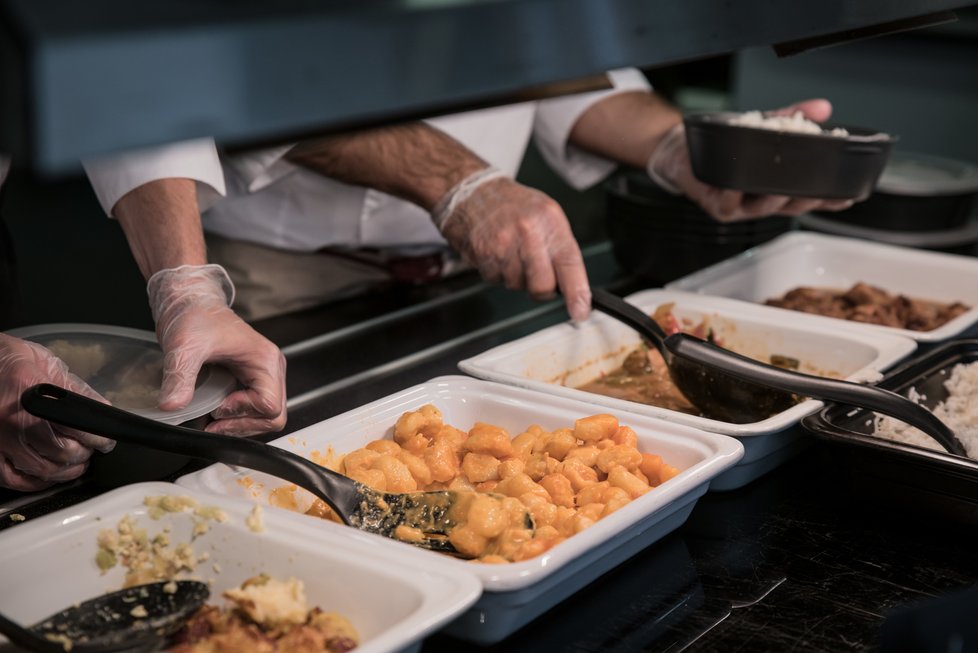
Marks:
<point>212,630</point>
<point>866,303</point>
<point>863,293</point>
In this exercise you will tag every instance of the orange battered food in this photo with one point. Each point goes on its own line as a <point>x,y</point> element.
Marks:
<point>567,479</point>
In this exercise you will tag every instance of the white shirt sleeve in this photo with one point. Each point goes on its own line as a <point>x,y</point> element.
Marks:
<point>112,176</point>
<point>555,118</point>
<point>258,169</point>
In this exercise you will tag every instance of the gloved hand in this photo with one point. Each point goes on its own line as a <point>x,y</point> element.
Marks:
<point>35,453</point>
<point>518,236</point>
<point>195,325</point>
<point>669,165</point>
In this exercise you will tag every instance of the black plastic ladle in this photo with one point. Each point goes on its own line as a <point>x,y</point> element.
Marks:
<point>359,506</point>
<point>106,624</point>
<point>731,387</point>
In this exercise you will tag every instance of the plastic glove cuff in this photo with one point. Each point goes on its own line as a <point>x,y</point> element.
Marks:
<point>651,166</point>
<point>212,271</point>
<point>460,192</point>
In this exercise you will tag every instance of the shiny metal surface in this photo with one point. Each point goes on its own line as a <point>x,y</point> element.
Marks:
<point>78,79</point>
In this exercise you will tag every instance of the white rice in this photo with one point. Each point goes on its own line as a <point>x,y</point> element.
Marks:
<point>959,411</point>
<point>796,122</point>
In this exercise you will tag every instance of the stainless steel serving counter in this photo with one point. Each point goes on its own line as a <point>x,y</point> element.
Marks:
<point>806,558</point>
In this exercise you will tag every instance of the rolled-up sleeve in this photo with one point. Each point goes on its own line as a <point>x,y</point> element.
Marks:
<point>556,117</point>
<point>112,176</point>
<point>258,169</point>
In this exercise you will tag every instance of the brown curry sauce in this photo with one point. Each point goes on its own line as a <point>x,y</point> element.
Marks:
<point>644,377</point>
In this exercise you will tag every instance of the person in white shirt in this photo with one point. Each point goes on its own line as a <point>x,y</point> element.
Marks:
<point>190,302</point>
<point>158,206</point>
<point>306,223</point>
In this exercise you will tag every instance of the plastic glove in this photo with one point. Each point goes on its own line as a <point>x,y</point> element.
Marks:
<point>669,166</point>
<point>35,453</point>
<point>195,325</point>
<point>518,236</point>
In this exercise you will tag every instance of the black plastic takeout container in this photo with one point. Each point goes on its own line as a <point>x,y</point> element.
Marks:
<point>767,161</point>
<point>908,475</point>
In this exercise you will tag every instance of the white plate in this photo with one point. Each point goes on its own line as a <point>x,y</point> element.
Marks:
<point>137,353</point>
<point>558,358</point>
<point>806,259</point>
<point>518,592</point>
<point>392,601</point>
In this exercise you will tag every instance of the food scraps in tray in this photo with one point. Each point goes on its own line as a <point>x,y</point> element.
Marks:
<point>644,376</point>
<point>865,303</point>
<point>566,479</point>
<point>149,558</point>
<point>266,615</point>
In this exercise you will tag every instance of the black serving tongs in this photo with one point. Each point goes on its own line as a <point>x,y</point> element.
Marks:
<point>356,504</point>
<point>735,388</point>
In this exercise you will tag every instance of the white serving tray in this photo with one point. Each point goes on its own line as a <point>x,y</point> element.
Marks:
<point>515,593</point>
<point>807,259</point>
<point>558,358</point>
<point>394,602</point>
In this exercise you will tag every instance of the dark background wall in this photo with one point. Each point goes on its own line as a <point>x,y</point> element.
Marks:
<point>72,263</point>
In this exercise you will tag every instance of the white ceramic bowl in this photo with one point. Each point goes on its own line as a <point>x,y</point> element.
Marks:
<point>392,601</point>
<point>514,593</point>
<point>805,259</point>
<point>559,358</point>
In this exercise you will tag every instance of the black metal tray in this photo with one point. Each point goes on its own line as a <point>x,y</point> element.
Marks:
<point>918,477</point>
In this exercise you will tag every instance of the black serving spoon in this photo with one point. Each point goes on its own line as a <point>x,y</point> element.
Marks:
<point>356,504</point>
<point>106,624</point>
<point>735,388</point>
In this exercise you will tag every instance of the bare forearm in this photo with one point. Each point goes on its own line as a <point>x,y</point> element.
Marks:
<point>162,224</point>
<point>415,162</point>
<point>625,127</point>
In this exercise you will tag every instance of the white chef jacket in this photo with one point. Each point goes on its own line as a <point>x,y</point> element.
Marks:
<point>113,176</point>
<point>272,202</point>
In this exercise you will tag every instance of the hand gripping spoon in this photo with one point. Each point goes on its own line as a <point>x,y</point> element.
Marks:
<point>731,387</point>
